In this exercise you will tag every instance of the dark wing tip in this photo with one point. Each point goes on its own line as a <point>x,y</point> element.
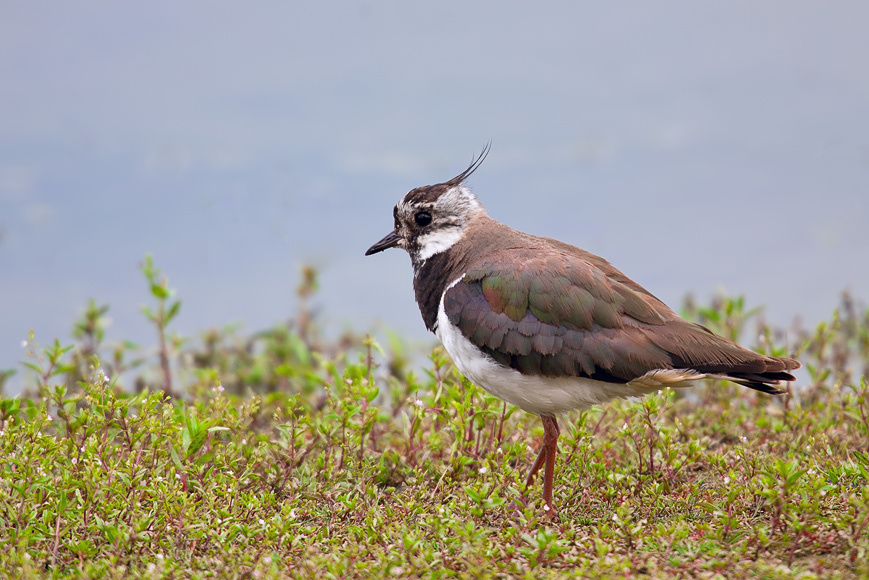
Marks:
<point>763,387</point>
<point>770,382</point>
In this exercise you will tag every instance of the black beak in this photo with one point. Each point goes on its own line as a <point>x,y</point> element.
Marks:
<point>389,241</point>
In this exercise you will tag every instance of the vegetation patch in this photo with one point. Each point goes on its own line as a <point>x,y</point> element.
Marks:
<point>282,455</point>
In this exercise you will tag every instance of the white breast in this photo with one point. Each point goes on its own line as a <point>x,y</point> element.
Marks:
<point>536,394</point>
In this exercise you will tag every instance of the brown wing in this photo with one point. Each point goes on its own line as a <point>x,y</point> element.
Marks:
<point>569,314</point>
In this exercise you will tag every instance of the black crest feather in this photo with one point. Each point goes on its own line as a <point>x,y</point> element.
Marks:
<point>475,164</point>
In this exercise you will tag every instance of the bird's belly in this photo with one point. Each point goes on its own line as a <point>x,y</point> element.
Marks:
<point>536,394</point>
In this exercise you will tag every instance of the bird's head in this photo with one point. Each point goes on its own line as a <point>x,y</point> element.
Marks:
<point>430,219</point>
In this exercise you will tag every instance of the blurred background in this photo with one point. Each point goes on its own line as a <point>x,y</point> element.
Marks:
<point>700,147</point>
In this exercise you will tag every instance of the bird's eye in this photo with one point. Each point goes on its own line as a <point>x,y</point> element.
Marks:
<point>422,218</point>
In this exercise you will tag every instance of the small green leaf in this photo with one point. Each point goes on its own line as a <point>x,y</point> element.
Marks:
<point>197,440</point>
<point>172,312</point>
<point>159,291</point>
<point>175,459</point>
<point>9,407</point>
<point>149,314</point>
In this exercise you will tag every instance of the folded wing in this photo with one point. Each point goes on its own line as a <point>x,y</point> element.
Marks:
<point>569,314</point>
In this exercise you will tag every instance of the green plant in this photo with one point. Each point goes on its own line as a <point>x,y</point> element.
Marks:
<point>293,457</point>
<point>161,317</point>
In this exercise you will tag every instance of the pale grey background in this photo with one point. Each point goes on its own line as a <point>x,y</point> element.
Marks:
<point>697,146</point>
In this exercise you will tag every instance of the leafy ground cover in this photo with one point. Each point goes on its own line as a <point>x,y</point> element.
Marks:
<point>281,455</point>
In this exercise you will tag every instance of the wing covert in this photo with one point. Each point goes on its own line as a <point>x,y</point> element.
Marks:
<point>558,316</point>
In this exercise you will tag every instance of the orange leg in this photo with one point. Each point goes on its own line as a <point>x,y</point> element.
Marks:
<point>546,456</point>
<point>538,463</point>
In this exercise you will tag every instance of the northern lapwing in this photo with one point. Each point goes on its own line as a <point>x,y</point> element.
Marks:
<point>547,326</point>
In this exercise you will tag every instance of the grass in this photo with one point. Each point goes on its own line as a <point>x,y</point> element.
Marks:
<point>292,457</point>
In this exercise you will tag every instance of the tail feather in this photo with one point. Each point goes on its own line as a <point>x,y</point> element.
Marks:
<point>761,382</point>
<point>767,374</point>
<point>763,377</point>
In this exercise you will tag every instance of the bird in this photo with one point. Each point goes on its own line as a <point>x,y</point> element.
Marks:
<point>546,326</point>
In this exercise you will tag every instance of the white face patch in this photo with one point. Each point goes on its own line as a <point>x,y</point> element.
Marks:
<point>458,201</point>
<point>451,213</point>
<point>438,241</point>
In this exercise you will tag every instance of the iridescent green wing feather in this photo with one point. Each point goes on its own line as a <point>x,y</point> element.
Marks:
<point>560,314</point>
